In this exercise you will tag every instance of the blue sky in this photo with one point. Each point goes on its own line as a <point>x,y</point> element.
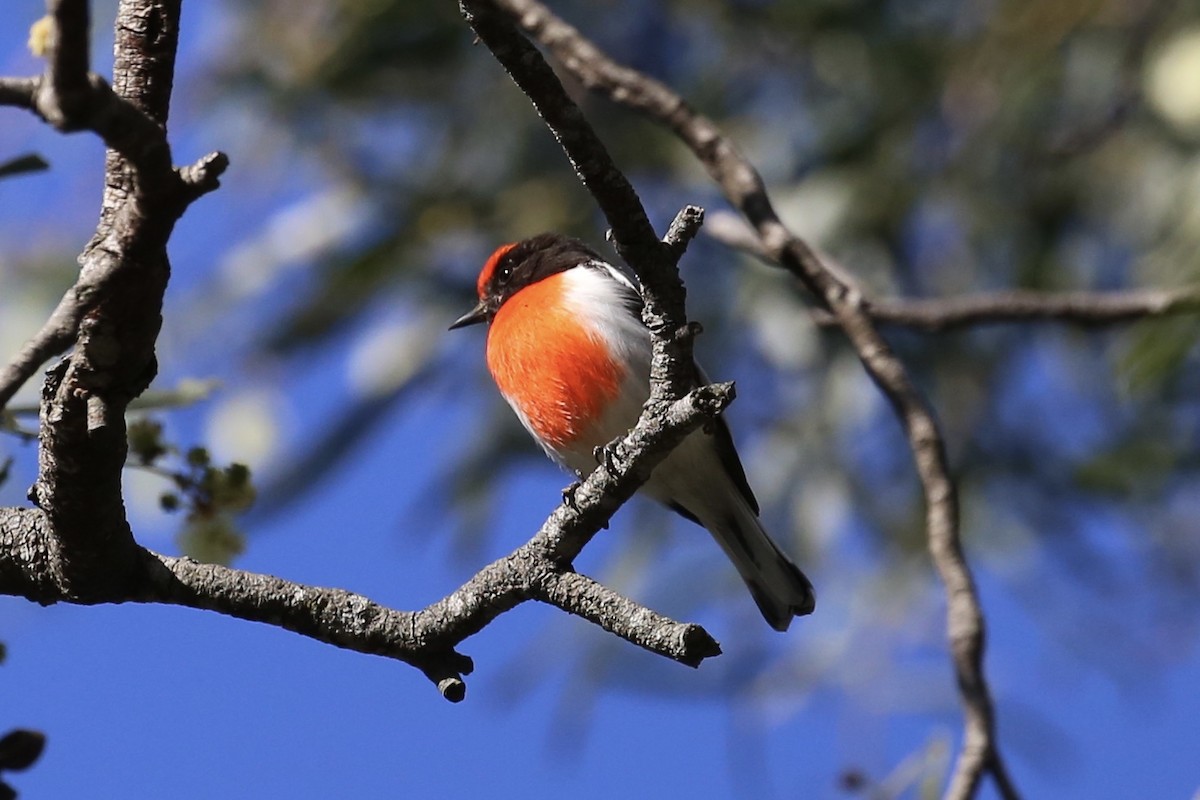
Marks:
<point>147,701</point>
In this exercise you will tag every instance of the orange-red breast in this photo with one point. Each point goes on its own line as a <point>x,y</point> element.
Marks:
<point>569,352</point>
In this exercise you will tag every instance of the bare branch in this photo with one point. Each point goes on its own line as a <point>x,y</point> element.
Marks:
<point>622,208</point>
<point>139,167</point>
<point>743,186</point>
<point>951,313</point>
<point>1079,308</point>
<point>19,92</point>
<point>578,594</point>
<point>31,566</point>
<point>64,95</point>
<point>55,336</point>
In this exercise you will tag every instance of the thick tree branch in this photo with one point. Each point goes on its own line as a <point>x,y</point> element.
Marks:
<point>539,570</point>
<point>114,307</point>
<point>78,547</point>
<point>63,96</point>
<point>744,188</point>
<point>139,165</point>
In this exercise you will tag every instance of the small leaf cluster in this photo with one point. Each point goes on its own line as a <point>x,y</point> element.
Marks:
<point>211,495</point>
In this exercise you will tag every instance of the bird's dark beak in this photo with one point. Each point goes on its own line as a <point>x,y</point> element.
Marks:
<point>475,316</point>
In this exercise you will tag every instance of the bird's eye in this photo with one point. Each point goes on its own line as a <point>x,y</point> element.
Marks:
<point>504,273</point>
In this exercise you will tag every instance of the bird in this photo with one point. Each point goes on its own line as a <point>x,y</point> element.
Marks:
<point>570,354</point>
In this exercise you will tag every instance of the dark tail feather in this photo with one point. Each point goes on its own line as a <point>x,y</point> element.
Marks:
<point>778,586</point>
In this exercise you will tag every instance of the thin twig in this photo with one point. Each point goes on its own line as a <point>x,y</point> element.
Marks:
<point>1077,308</point>
<point>56,335</point>
<point>937,315</point>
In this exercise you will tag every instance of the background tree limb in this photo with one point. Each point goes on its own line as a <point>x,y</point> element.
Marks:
<point>940,314</point>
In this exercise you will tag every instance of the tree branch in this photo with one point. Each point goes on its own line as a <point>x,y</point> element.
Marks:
<point>78,547</point>
<point>539,570</point>
<point>1079,308</point>
<point>139,167</point>
<point>578,594</point>
<point>744,188</point>
<point>63,96</point>
<point>940,314</point>
<point>937,315</point>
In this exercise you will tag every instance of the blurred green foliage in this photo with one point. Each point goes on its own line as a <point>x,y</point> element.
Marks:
<point>212,496</point>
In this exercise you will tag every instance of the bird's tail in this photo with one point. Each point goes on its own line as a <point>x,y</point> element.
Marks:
<point>778,586</point>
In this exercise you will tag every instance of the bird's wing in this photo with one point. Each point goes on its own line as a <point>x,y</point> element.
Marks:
<point>633,297</point>
<point>721,437</point>
<point>723,442</point>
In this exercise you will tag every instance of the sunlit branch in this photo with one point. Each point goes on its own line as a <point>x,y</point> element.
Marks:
<point>539,570</point>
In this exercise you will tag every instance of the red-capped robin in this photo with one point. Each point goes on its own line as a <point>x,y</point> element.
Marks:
<point>569,352</point>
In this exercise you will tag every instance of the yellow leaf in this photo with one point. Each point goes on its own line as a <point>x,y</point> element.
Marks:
<point>40,34</point>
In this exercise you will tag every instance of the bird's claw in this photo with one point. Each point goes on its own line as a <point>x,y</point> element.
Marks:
<point>568,494</point>
<point>606,455</point>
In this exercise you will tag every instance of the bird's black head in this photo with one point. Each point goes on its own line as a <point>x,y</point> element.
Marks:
<point>514,266</point>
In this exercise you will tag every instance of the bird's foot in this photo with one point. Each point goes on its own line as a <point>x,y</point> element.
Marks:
<point>568,494</point>
<point>606,455</point>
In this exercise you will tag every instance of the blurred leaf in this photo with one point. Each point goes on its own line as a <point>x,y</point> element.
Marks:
<point>21,165</point>
<point>20,748</point>
<point>1156,352</point>
<point>197,457</point>
<point>213,539</point>
<point>145,440</point>
<point>187,392</point>
<point>228,489</point>
<point>1124,469</point>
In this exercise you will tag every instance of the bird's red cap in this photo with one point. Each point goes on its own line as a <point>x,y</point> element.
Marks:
<point>489,267</point>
